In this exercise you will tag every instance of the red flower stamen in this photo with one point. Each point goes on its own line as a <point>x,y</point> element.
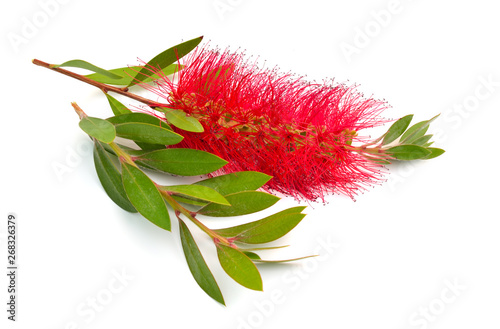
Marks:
<point>300,133</point>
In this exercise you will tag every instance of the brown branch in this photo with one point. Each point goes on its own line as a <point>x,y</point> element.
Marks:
<point>104,87</point>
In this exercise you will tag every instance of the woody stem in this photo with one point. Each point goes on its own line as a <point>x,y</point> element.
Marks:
<point>104,87</point>
<point>181,210</point>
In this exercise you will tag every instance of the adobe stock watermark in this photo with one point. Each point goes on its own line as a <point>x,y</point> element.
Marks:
<point>72,160</point>
<point>293,280</point>
<point>222,7</point>
<point>363,36</point>
<point>31,25</point>
<point>429,313</point>
<point>87,311</point>
<point>450,120</point>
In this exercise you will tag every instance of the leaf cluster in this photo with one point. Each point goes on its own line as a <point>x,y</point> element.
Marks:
<point>405,142</point>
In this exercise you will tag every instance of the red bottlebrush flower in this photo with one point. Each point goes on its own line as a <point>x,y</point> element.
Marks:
<point>300,133</point>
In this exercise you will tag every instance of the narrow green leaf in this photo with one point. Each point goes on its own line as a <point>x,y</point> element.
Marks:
<point>283,260</point>
<point>267,229</point>
<point>182,161</point>
<point>422,140</point>
<point>147,133</point>
<point>197,264</point>
<point>397,129</point>
<point>128,73</point>
<point>435,152</point>
<point>242,203</point>
<point>138,117</point>
<point>190,201</point>
<point>142,118</point>
<point>197,192</point>
<point>236,182</point>
<point>179,119</point>
<point>408,152</point>
<point>100,129</point>
<point>416,131</point>
<point>91,67</point>
<point>145,197</point>
<point>262,248</point>
<point>165,59</point>
<point>117,107</point>
<point>239,267</point>
<point>110,177</point>
<point>426,145</point>
<point>253,256</point>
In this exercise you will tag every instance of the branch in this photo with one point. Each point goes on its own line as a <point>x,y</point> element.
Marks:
<point>104,87</point>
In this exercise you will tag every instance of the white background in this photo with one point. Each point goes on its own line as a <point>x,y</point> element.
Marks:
<point>387,260</point>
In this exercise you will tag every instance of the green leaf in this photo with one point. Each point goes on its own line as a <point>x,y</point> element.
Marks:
<point>147,133</point>
<point>262,248</point>
<point>128,73</point>
<point>165,59</point>
<point>416,131</point>
<point>138,117</point>
<point>182,161</point>
<point>117,107</point>
<point>253,256</point>
<point>179,119</point>
<point>91,67</point>
<point>408,152</point>
<point>267,229</point>
<point>242,203</point>
<point>145,197</point>
<point>239,267</point>
<point>144,118</point>
<point>282,261</point>
<point>397,129</point>
<point>189,200</point>
<point>435,152</point>
<point>422,140</point>
<point>197,264</point>
<point>100,129</point>
<point>197,192</point>
<point>236,182</point>
<point>110,177</point>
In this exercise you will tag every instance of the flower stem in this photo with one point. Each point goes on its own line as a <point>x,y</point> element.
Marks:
<point>104,87</point>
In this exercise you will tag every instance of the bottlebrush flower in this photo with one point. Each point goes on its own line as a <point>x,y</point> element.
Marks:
<point>300,133</point>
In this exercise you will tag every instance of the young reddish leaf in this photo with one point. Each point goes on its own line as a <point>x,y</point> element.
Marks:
<point>145,197</point>
<point>181,161</point>
<point>197,264</point>
<point>100,129</point>
<point>397,129</point>
<point>236,182</point>
<point>242,203</point>
<point>408,152</point>
<point>197,192</point>
<point>91,67</point>
<point>165,59</point>
<point>117,107</point>
<point>110,177</point>
<point>239,267</point>
<point>267,229</point>
<point>179,119</point>
<point>147,133</point>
